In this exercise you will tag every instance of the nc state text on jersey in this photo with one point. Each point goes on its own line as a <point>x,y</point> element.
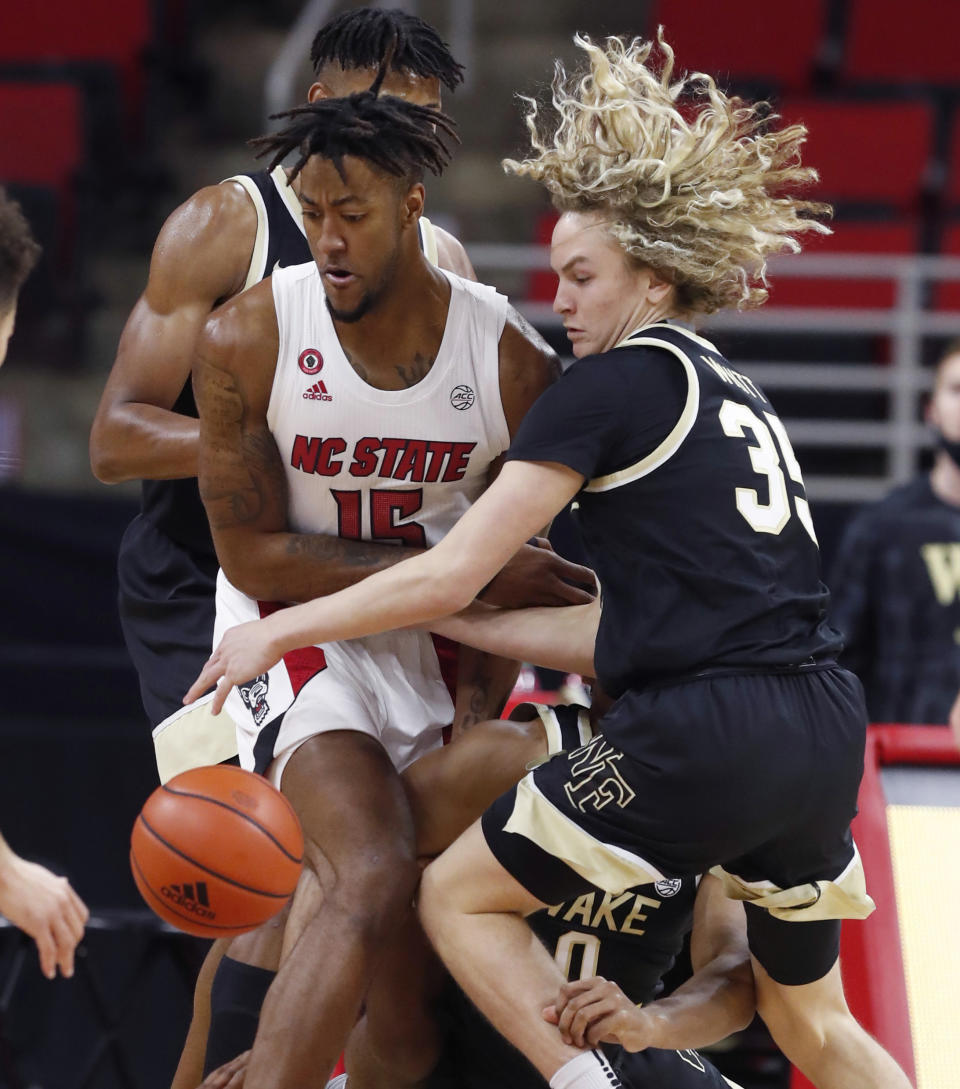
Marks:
<point>421,461</point>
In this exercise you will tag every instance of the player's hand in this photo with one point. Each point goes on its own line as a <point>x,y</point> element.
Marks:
<point>592,1011</point>
<point>536,575</point>
<point>44,906</point>
<point>229,1076</point>
<point>955,720</point>
<point>243,653</point>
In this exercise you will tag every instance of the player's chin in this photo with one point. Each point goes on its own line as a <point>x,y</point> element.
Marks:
<point>348,308</point>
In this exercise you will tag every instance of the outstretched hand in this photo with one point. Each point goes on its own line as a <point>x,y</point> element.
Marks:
<point>592,1011</point>
<point>44,906</point>
<point>243,653</point>
<point>536,575</point>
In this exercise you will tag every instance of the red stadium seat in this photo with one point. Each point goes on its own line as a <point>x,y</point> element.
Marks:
<point>888,42</point>
<point>41,134</point>
<point>770,43</point>
<point>946,293</point>
<point>542,285</point>
<point>952,187</point>
<point>866,152</point>
<point>62,32</point>
<point>848,238</point>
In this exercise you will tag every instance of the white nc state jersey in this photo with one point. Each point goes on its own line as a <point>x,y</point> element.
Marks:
<point>384,465</point>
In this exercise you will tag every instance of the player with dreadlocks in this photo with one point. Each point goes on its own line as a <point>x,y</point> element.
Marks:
<point>367,394</point>
<point>223,240</point>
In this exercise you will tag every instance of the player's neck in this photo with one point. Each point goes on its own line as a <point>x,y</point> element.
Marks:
<point>396,343</point>
<point>945,479</point>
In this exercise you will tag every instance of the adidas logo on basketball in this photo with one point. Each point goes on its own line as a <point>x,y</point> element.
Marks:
<point>198,903</point>
<point>317,392</point>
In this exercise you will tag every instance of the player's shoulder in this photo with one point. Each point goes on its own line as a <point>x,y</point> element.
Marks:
<point>622,368</point>
<point>244,319</point>
<point>449,252</point>
<point>204,246</point>
<point>225,206</point>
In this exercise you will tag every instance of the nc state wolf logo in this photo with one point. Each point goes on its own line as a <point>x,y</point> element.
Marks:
<point>254,696</point>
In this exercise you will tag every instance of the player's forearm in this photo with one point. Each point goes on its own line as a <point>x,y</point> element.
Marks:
<point>556,638</point>
<point>143,442</point>
<point>484,683</point>
<point>716,1001</point>
<point>298,567</point>
<point>407,595</point>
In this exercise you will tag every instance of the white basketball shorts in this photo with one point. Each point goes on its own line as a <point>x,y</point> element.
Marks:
<point>388,686</point>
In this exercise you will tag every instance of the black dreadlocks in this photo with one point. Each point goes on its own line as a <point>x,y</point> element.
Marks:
<point>18,250</point>
<point>397,136</point>
<point>361,38</point>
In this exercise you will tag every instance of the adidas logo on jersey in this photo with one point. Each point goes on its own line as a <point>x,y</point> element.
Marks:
<point>317,392</point>
<point>184,896</point>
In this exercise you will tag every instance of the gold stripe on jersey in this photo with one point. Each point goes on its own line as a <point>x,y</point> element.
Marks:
<point>428,241</point>
<point>192,738</point>
<point>609,867</point>
<point>845,897</point>
<point>551,726</point>
<point>258,258</point>
<point>671,444</point>
<point>288,196</point>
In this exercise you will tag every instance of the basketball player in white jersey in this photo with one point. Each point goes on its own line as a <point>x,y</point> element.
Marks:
<point>223,240</point>
<point>367,395</point>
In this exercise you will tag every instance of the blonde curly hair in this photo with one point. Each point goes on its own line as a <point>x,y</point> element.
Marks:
<point>693,184</point>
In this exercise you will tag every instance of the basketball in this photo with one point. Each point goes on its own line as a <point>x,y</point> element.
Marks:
<point>216,851</point>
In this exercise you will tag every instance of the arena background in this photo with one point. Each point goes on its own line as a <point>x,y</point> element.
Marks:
<point>111,114</point>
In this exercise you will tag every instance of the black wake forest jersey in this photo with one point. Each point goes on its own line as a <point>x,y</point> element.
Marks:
<point>632,938</point>
<point>174,506</point>
<point>693,511</point>
<point>896,602</point>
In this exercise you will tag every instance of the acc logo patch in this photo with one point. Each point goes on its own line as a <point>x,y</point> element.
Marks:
<point>669,886</point>
<point>310,361</point>
<point>462,398</point>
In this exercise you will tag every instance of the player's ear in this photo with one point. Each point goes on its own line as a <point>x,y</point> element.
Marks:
<point>318,90</point>
<point>658,288</point>
<point>412,205</point>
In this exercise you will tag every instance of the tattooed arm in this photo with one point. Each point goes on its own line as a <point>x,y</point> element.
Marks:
<point>242,479</point>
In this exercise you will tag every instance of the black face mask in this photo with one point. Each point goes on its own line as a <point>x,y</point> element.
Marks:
<point>952,449</point>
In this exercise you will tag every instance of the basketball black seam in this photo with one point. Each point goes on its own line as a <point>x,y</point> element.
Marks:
<point>206,869</point>
<point>239,813</point>
<point>186,918</point>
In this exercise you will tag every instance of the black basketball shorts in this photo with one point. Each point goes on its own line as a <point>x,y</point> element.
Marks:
<point>166,600</point>
<point>753,775</point>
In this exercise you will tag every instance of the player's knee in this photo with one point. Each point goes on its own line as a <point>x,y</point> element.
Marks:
<point>433,903</point>
<point>372,889</point>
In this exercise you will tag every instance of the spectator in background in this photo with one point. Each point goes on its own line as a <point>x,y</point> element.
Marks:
<point>18,255</point>
<point>896,580</point>
<point>31,897</point>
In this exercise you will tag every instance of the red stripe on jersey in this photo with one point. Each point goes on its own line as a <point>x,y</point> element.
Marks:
<point>302,663</point>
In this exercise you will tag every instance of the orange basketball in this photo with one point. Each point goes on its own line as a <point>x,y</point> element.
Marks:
<point>216,851</point>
